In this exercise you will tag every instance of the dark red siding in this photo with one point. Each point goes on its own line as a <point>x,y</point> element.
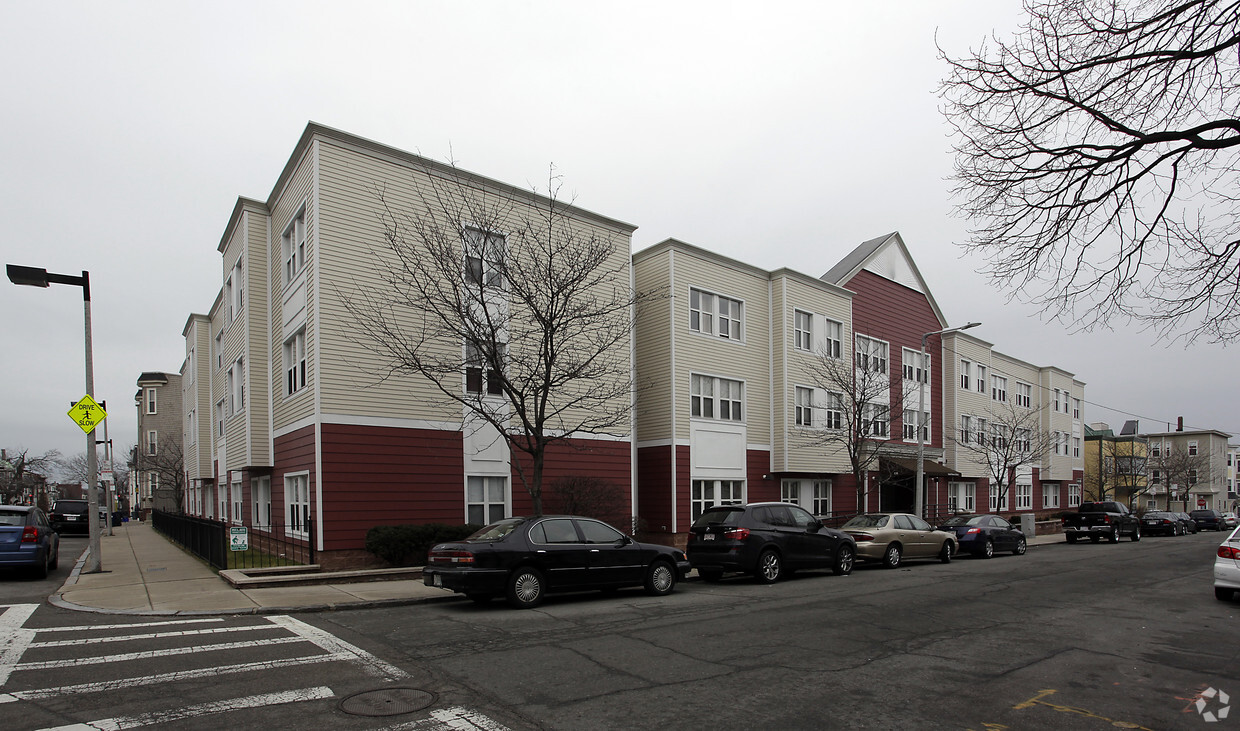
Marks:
<point>608,461</point>
<point>759,465</point>
<point>294,453</point>
<point>654,489</point>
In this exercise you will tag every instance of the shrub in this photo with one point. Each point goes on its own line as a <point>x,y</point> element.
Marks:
<point>407,545</point>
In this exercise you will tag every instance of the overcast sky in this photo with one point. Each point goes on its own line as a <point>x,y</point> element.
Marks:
<point>779,134</point>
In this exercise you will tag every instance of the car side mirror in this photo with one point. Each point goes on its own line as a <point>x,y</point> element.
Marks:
<point>815,526</point>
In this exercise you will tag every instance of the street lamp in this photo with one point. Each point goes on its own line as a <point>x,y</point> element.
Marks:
<point>35,277</point>
<point>918,490</point>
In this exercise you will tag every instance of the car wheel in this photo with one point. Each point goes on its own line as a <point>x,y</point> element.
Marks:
<point>1114,537</point>
<point>710,576</point>
<point>1136,534</point>
<point>40,571</point>
<point>946,552</point>
<point>525,588</point>
<point>770,566</point>
<point>844,560</point>
<point>1071,538</point>
<point>1021,546</point>
<point>55,559</point>
<point>891,558</point>
<point>660,579</point>
<point>479,598</point>
<point>1223,594</point>
<point>988,549</point>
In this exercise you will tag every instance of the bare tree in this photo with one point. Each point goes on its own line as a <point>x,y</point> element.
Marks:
<point>1007,438</point>
<point>168,467</point>
<point>1120,472</point>
<point>73,468</point>
<point>512,306</point>
<point>854,412</point>
<point>19,469</point>
<point>1097,157</point>
<point>588,496</point>
<point>1179,471</point>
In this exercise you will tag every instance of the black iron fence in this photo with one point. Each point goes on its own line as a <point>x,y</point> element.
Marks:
<point>214,542</point>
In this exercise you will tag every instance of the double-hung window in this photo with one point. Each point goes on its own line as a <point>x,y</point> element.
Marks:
<point>1155,477</point>
<point>485,498</point>
<point>260,488</point>
<point>1024,440</point>
<point>1076,409</point>
<point>998,437</point>
<point>1050,495</point>
<point>706,494</point>
<point>1192,477</point>
<point>910,425</point>
<point>966,428</point>
<point>833,413</point>
<point>713,314</point>
<point>997,502</point>
<point>236,387</point>
<point>152,442</point>
<point>833,338</point>
<point>151,401</point>
<point>803,330</point>
<point>295,363</point>
<point>1076,446</point>
<point>1024,395</point>
<point>476,365</point>
<point>237,493</point>
<point>804,406</point>
<point>1192,449</point>
<point>1074,495</point>
<point>293,247</point>
<point>484,257</point>
<point>980,381</point>
<point>915,369</point>
<point>871,355</point>
<point>297,502</point>
<point>874,420</point>
<point>965,368</point>
<point>711,397</point>
<point>1058,397</point>
<point>998,389</point>
<point>1024,497</point>
<point>981,435</point>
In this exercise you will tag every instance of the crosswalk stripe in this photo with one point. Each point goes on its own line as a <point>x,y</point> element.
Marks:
<point>155,635</point>
<point>148,654</point>
<point>203,709</point>
<point>14,639</point>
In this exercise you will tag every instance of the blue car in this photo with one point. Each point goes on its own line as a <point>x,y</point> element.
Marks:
<point>982,535</point>
<point>27,540</point>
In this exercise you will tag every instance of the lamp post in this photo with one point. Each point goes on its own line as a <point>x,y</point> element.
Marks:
<point>35,277</point>
<point>918,489</point>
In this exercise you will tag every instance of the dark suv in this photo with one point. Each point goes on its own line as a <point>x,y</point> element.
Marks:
<point>768,540</point>
<point>1207,519</point>
<point>70,515</point>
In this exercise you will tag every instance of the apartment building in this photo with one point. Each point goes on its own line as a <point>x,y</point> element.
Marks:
<point>196,374</point>
<point>160,439</point>
<point>1188,469</point>
<point>312,432</point>
<point>1116,465</point>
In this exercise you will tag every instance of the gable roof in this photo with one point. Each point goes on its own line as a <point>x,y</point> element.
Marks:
<point>885,256</point>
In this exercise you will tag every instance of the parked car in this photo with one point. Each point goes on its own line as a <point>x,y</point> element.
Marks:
<point>1208,519</point>
<point>70,515</point>
<point>1227,566</point>
<point>893,537</point>
<point>768,540</point>
<point>982,535</point>
<point>526,558</point>
<point>1230,520</point>
<point>27,540</point>
<point>1158,522</point>
<point>1103,519</point>
<point>1187,521</point>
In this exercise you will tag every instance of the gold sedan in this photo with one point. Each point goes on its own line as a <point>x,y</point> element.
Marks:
<point>893,537</point>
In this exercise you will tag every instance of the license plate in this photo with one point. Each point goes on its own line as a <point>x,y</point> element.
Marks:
<point>438,580</point>
<point>708,537</point>
<point>71,517</point>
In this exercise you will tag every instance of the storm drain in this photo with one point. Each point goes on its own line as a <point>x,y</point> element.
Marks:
<point>387,701</point>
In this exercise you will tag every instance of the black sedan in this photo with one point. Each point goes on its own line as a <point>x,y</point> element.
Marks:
<point>526,558</point>
<point>768,540</point>
<point>1187,521</point>
<point>1158,522</point>
<point>27,540</point>
<point>982,535</point>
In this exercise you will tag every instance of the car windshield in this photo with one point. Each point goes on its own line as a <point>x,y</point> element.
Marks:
<point>496,531</point>
<point>867,521</point>
<point>719,516</point>
<point>12,517</point>
<point>964,520</point>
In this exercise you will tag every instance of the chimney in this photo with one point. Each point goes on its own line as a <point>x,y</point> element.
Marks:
<point>1179,424</point>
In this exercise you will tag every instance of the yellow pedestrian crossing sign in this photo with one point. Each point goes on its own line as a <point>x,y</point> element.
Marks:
<point>87,414</point>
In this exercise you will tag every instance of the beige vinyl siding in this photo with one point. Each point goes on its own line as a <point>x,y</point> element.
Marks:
<point>654,349</point>
<point>747,360</point>
<point>796,450</point>
<point>219,443</point>
<point>258,326</point>
<point>1057,467</point>
<point>236,428</point>
<point>198,396</point>
<point>970,402</point>
<point>351,376</point>
<point>286,410</point>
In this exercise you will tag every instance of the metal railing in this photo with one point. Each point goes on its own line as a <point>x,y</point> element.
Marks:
<point>209,540</point>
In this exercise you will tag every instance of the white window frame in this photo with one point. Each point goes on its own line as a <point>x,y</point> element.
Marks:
<point>1193,448</point>
<point>707,493</point>
<point>1024,497</point>
<point>871,354</point>
<point>980,381</point>
<point>1050,495</point>
<point>804,406</point>
<point>295,363</point>
<point>1074,495</point>
<point>962,497</point>
<point>833,339</point>
<point>293,247</point>
<point>1076,409</point>
<point>997,505</point>
<point>715,314</point>
<point>966,429</point>
<point>152,442</point>
<point>297,504</point>
<point>237,494</point>
<point>235,386</point>
<point>876,420</point>
<point>220,416</point>
<point>486,497</point>
<point>1024,394</point>
<point>1076,447</point>
<point>484,253</point>
<point>910,429</point>
<point>152,401</point>
<point>914,369</point>
<point>998,389</point>
<point>833,411</point>
<point>821,497</point>
<point>966,368</point>
<point>260,493</point>
<point>708,400</point>
<point>802,331</point>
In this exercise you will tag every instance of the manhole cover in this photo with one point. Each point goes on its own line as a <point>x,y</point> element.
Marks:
<point>387,701</point>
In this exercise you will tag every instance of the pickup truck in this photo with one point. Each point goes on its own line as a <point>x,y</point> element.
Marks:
<point>1098,520</point>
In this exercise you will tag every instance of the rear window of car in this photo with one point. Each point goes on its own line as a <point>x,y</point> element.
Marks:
<point>867,521</point>
<point>496,531</point>
<point>70,506</point>
<point>966,520</point>
<point>12,517</point>
<point>719,516</point>
<point>1203,513</point>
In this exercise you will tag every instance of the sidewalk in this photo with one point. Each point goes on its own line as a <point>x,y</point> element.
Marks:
<point>145,573</point>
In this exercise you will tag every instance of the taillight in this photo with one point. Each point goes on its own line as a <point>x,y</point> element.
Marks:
<point>1229,552</point>
<point>971,531</point>
<point>859,537</point>
<point>30,534</point>
<point>736,534</point>
<point>457,557</point>
<point>1106,519</point>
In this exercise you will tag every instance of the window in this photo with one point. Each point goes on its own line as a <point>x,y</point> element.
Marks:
<point>485,498</point>
<point>484,257</point>
<point>599,533</point>
<point>874,420</point>
<point>236,501</point>
<point>555,530</point>
<point>1024,395</point>
<point>191,367</point>
<point>833,338</point>
<point>871,355</point>
<point>803,330</point>
<point>805,406</point>
<point>1057,397</point>
<point>223,502</point>
<point>1192,477</point>
<point>191,427</point>
<point>708,493</point>
<point>151,401</point>
<point>790,491</point>
<point>1024,440</point>
<point>295,363</point>
<point>965,368</point>
<point>981,378</point>
<point>297,500</point>
<point>822,497</point>
<point>219,350</point>
<point>997,503</point>
<point>961,497</point>
<point>1066,398</point>
<point>1076,446</point>
<point>998,436</point>
<point>1156,450</point>
<point>234,296</point>
<point>966,427</point>
<point>981,433</point>
<point>475,360</point>
<point>712,314</point>
<point>914,368</point>
<point>1074,495</point>
<point>293,247</point>
<point>715,398</point>
<point>261,492</point>
<point>833,414</point>
<point>236,387</point>
<point>1050,495</point>
<point>1155,477</point>
<point>1024,497</point>
<point>1076,409</point>
<point>1056,438</point>
<point>998,388</point>
<point>1192,449</point>
<point>152,482</point>
<point>910,425</point>
<point>152,442</point>
<point>219,417</point>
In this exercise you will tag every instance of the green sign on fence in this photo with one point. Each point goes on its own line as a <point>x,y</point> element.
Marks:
<point>239,539</point>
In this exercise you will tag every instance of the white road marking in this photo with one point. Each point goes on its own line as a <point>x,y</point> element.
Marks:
<point>203,709</point>
<point>148,654</point>
<point>14,639</point>
<point>340,649</point>
<point>90,627</point>
<point>154,635</point>
<point>456,718</point>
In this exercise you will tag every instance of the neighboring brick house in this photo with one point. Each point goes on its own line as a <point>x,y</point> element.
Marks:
<point>160,439</point>
<point>305,431</point>
<point>1188,469</point>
